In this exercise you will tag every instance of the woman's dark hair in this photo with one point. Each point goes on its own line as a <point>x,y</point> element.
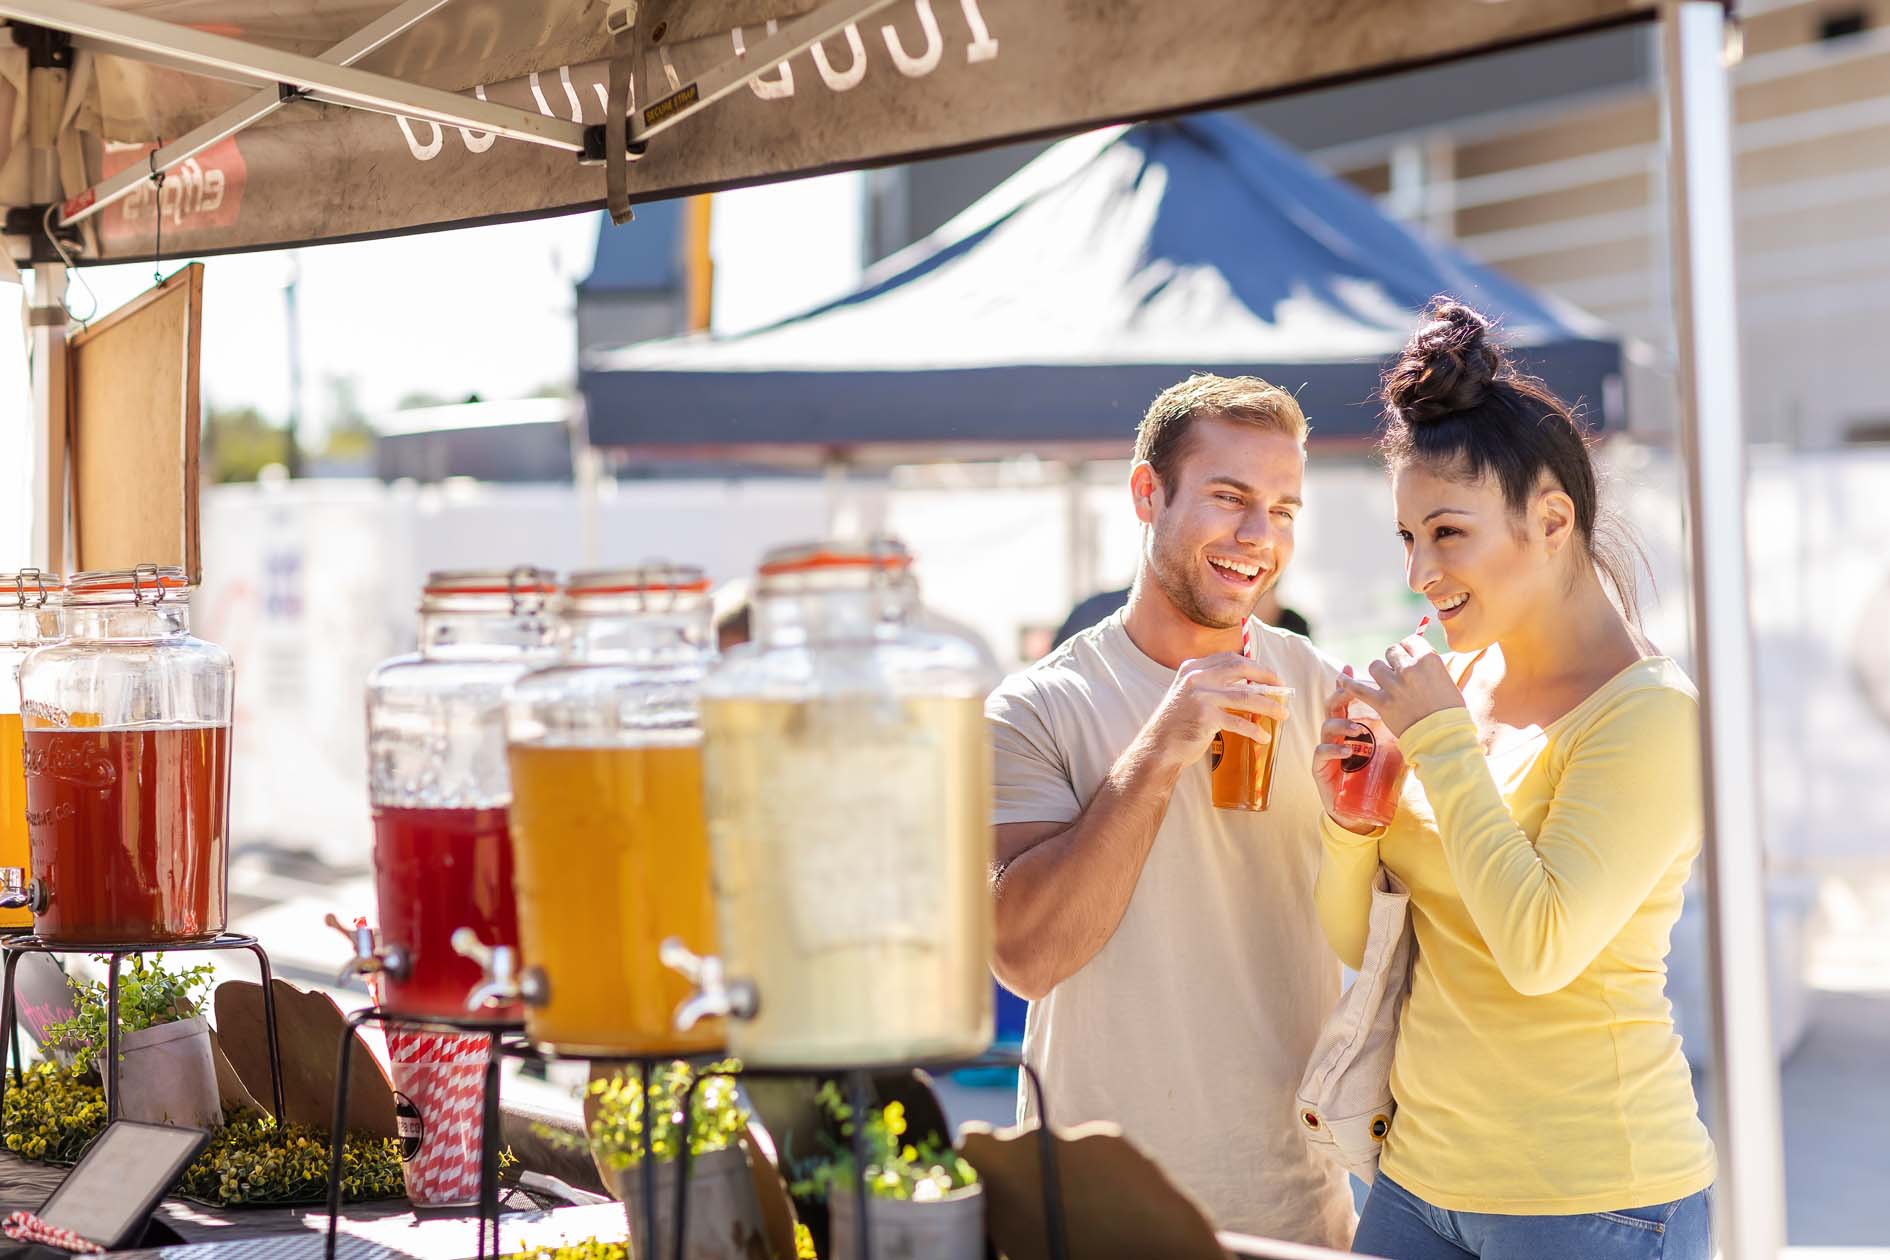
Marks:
<point>1454,402</point>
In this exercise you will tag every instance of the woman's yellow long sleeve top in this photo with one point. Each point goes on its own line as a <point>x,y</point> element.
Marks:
<point>1537,1067</point>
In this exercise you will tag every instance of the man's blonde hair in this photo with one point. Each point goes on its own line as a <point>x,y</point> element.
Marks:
<point>1162,437</point>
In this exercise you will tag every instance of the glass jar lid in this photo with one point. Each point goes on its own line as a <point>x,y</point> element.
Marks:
<point>656,585</point>
<point>30,588</point>
<point>141,584</point>
<point>522,589</point>
<point>808,568</point>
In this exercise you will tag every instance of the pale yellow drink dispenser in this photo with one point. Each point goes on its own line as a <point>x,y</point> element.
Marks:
<point>847,774</point>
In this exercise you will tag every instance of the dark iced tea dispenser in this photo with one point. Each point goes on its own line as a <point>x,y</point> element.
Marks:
<point>127,753</point>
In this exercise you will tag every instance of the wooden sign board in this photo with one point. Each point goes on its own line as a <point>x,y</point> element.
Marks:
<point>133,419</point>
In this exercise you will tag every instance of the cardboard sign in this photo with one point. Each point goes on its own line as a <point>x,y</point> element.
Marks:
<point>309,1036</point>
<point>133,416</point>
<point>43,996</point>
<point>1117,1203</point>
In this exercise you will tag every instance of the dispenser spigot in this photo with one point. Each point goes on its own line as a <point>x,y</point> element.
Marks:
<point>715,994</point>
<point>505,981</point>
<point>32,897</point>
<point>369,958</point>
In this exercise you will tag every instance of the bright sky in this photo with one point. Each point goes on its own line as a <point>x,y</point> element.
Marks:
<point>479,310</point>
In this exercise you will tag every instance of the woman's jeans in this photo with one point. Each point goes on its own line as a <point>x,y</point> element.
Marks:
<point>1397,1223</point>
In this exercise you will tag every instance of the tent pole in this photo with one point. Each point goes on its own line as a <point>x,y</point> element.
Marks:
<point>46,317</point>
<point>1080,560</point>
<point>47,433</point>
<point>587,472</point>
<point>840,521</point>
<point>1750,1194</point>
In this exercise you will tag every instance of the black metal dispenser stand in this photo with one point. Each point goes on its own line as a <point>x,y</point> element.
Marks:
<point>15,947</point>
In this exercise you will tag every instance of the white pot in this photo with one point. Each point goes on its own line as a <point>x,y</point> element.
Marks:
<point>951,1228</point>
<point>166,1076</point>
<point>725,1221</point>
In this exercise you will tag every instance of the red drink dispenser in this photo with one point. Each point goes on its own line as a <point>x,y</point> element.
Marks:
<point>439,787</point>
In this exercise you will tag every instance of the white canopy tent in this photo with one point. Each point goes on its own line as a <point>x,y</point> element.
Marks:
<point>245,124</point>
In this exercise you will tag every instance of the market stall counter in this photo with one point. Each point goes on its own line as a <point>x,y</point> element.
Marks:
<point>369,1230</point>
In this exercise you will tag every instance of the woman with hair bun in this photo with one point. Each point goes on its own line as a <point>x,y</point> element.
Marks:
<point>1545,833</point>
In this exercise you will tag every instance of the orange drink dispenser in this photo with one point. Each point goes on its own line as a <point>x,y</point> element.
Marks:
<point>607,826</point>
<point>847,777</point>
<point>447,936</point>
<point>127,754</point>
<point>29,617</point>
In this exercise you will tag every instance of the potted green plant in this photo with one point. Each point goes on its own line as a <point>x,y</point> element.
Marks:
<point>923,1200</point>
<point>165,1071</point>
<point>725,1217</point>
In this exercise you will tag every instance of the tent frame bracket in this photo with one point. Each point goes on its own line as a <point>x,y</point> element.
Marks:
<point>28,223</point>
<point>47,48</point>
<point>731,75</point>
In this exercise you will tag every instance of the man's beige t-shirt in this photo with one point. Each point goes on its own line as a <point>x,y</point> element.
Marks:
<point>1191,1027</point>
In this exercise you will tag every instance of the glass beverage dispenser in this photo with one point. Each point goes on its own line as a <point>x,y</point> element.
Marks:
<point>848,787</point>
<point>607,823</point>
<point>127,735</point>
<point>29,617</point>
<point>438,784</point>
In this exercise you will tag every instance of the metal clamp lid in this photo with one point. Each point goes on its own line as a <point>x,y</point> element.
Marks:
<point>32,588</point>
<point>880,554</point>
<point>527,588</point>
<point>147,584</point>
<point>655,585</point>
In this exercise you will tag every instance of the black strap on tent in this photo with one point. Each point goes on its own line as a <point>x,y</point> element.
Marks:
<point>616,157</point>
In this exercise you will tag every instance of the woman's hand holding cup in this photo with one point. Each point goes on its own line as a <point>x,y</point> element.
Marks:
<point>1338,742</point>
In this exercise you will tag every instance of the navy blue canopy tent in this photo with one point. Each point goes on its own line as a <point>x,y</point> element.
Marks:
<point>1048,314</point>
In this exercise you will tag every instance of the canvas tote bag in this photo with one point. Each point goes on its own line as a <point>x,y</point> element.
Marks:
<point>1345,1105</point>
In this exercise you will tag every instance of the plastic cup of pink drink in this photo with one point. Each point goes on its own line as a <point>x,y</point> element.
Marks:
<point>1371,779</point>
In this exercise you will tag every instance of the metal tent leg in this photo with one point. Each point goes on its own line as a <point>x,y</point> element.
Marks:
<point>1745,1079</point>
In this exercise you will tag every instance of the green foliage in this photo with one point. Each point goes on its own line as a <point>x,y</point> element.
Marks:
<point>347,442</point>
<point>253,1160</point>
<point>589,1249</point>
<point>593,1249</point>
<point>239,444</point>
<point>54,1114</point>
<point>148,995</point>
<point>616,1136</point>
<point>895,1168</point>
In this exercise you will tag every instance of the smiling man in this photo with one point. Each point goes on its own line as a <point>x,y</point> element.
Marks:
<point>1174,964</point>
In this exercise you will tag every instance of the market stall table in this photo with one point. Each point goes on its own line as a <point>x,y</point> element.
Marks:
<point>387,1227</point>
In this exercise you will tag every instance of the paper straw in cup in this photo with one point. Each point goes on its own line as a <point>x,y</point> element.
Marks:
<point>439,1105</point>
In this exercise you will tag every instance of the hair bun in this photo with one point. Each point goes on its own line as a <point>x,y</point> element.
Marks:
<point>1448,365</point>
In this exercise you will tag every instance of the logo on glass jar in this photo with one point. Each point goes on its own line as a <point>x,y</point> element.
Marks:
<point>86,768</point>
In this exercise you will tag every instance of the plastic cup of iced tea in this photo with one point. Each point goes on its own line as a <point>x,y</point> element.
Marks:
<point>1240,771</point>
<point>1371,778</point>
